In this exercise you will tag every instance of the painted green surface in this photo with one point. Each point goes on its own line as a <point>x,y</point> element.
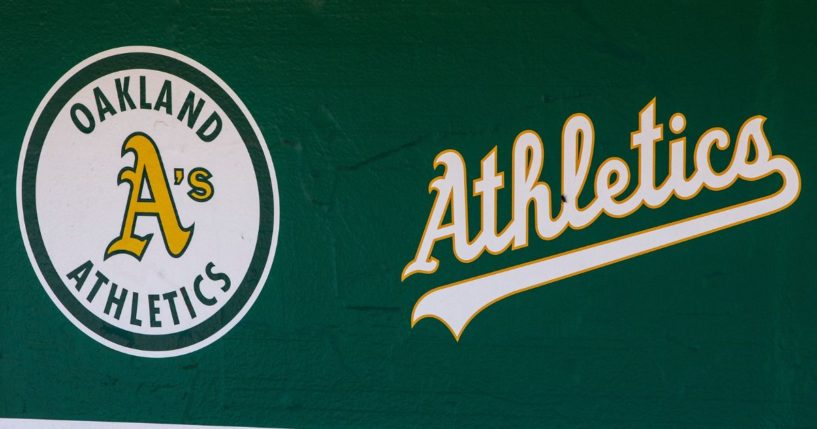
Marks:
<point>355,100</point>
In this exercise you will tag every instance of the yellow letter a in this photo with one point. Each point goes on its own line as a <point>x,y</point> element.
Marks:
<point>148,170</point>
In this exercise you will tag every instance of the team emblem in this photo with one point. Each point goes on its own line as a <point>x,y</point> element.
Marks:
<point>147,201</point>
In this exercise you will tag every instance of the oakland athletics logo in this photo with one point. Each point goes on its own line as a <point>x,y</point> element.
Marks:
<point>147,201</point>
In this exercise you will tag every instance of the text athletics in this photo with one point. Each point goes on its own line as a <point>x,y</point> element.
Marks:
<point>457,303</point>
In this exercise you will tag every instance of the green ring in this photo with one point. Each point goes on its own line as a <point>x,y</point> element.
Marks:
<point>116,335</point>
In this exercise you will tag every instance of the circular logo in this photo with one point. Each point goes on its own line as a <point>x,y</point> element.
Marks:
<point>147,201</point>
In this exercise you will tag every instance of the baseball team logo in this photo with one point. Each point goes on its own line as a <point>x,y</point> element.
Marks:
<point>147,201</point>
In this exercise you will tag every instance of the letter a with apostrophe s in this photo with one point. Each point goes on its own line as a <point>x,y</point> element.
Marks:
<point>148,170</point>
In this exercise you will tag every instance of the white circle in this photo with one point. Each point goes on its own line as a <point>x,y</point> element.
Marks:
<point>677,123</point>
<point>80,214</point>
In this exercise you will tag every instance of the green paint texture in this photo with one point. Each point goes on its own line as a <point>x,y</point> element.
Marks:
<point>355,99</point>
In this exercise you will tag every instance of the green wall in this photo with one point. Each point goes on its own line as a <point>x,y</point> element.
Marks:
<point>355,99</point>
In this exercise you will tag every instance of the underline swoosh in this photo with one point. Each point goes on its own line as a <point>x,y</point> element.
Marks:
<point>456,304</point>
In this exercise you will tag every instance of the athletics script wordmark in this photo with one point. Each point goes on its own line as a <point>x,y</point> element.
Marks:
<point>456,304</point>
